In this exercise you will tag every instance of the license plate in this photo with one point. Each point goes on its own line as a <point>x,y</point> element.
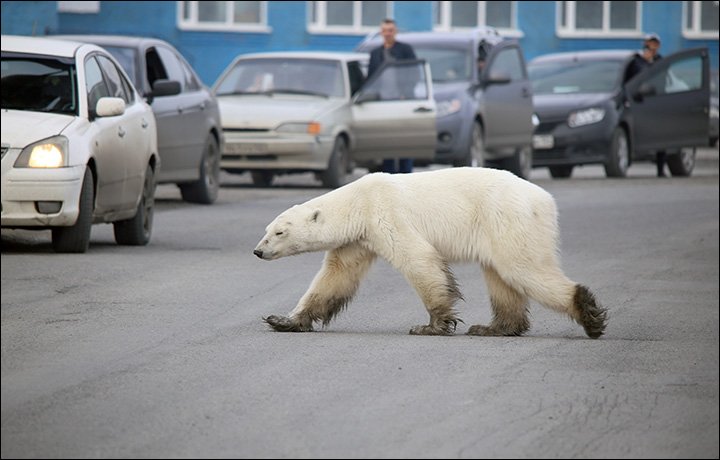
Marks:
<point>246,149</point>
<point>543,141</point>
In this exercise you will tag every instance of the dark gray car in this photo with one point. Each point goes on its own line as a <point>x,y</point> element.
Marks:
<point>590,113</point>
<point>188,119</point>
<point>484,116</point>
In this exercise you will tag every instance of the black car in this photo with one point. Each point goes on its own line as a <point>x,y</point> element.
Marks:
<point>189,130</point>
<point>589,113</point>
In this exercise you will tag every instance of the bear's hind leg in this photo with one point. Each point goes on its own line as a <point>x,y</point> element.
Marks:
<point>510,308</point>
<point>330,291</point>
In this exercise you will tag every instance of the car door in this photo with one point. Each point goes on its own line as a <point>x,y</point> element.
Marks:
<point>505,97</point>
<point>181,118</point>
<point>109,146</point>
<point>669,102</point>
<point>393,114</point>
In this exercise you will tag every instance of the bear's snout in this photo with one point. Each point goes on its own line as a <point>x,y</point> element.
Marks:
<point>258,252</point>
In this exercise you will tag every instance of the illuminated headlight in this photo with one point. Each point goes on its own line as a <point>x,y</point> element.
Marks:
<point>585,117</point>
<point>48,153</point>
<point>313,128</point>
<point>445,108</point>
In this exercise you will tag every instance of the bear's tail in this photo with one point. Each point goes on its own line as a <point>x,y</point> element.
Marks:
<point>590,314</point>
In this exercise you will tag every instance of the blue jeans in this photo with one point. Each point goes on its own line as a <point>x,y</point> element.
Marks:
<point>397,165</point>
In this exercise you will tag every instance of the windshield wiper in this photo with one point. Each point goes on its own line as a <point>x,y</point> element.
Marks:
<point>296,91</point>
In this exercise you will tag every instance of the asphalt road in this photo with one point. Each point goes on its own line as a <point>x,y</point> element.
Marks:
<point>160,351</point>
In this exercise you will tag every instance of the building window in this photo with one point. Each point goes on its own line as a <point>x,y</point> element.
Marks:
<point>599,19</point>
<point>237,16</point>
<point>700,19</point>
<point>78,7</point>
<point>347,17</point>
<point>464,15</point>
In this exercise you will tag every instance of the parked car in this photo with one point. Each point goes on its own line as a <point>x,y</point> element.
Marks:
<point>79,144</point>
<point>187,114</point>
<point>590,114</point>
<point>288,112</point>
<point>484,117</point>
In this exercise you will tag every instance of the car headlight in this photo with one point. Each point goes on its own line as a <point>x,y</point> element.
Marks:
<point>448,107</point>
<point>535,120</point>
<point>585,117</point>
<point>313,128</point>
<point>48,153</point>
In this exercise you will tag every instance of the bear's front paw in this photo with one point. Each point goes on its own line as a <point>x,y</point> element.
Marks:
<point>285,324</point>
<point>426,329</point>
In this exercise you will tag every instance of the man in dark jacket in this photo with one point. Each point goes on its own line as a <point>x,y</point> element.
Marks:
<point>391,50</point>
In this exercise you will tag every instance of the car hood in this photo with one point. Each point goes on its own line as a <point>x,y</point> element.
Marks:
<point>267,112</point>
<point>560,105</point>
<point>445,91</point>
<point>21,128</point>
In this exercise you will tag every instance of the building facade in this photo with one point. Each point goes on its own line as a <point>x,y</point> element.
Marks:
<point>211,33</point>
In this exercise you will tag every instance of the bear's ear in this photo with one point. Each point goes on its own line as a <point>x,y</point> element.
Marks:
<point>315,215</point>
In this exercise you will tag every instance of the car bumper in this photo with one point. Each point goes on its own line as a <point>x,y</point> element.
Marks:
<point>558,144</point>
<point>40,197</point>
<point>286,152</point>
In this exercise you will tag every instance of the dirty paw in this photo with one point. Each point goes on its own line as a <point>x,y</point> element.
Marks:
<point>285,324</point>
<point>426,329</point>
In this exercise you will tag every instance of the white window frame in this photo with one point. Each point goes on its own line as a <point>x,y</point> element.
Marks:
<point>570,31</point>
<point>446,26</point>
<point>228,26</point>
<point>695,33</point>
<point>321,27</point>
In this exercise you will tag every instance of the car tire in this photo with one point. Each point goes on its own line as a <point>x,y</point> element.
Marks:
<point>619,160</point>
<point>520,163</point>
<point>136,231</point>
<point>262,178</point>
<point>561,172</point>
<point>475,156</point>
<point>337,172</point>
<point>76,238</point>
<point>682,163</point>
<point>205,190</point>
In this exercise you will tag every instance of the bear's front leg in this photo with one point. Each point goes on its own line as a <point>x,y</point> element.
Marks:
<point>331,290</point>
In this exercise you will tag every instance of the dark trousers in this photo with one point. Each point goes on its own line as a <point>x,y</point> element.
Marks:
<point>660,161</point>
<point>397,165</point>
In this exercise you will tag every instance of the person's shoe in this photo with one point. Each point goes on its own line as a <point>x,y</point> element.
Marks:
<point>661,174</point>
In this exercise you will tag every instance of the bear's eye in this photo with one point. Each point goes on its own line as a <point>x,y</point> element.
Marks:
<point>278,233</point>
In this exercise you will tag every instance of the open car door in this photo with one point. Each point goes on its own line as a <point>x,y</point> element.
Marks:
<point>669,102</point>
<point>394,113</point>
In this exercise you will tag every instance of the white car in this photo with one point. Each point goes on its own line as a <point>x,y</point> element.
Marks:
<point>286,112</point>
<point>79,145</point>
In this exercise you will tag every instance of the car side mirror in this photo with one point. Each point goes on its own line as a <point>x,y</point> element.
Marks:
<point>368,96</point>
<point>110,107</point>
<point>643,91</point>
<point>498,78</point>
<point>164,87</point>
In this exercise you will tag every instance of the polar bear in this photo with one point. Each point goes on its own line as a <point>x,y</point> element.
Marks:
<point>421,223</point>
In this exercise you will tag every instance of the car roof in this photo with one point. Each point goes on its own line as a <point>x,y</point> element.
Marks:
<point>590,55</point>
<point>125,41</point>
<point>40,45</point>
<point>333,55</point>
<point>488,34</point>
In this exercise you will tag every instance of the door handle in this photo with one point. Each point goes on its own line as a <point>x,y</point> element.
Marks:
<point>422,110</point>
<point>121,131</point>
<point>525,92</point>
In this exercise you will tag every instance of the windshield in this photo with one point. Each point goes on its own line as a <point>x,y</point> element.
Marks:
<point>126,58</point>
<point>38,84</point>
<point>447,64</point>
<point>314,77</point>
<point>568,77</point>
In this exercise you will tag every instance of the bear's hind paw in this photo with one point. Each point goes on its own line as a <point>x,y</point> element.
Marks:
<point>426,329</point>
<point>285,324</point>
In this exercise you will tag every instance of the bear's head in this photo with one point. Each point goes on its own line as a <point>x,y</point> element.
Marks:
<point>297,230</point>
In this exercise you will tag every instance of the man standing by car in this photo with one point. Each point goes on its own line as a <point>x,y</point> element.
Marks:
<point>647,57</point>
<point>391,50</point>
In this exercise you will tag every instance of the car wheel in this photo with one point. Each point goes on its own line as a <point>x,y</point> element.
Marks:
<point>561,172</point>
<point>337,172</point>
<point>476,153</point>
<point>683,163</point>
<point>205,190</point>
<point>76,238</point>
<point>136,231</point>
<point>262,178</point>
<point>619,159</point>
<point>520,163</point>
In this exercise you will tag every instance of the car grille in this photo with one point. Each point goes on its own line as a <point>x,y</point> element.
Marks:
<point>245,130</point>
<point>547,127</point>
